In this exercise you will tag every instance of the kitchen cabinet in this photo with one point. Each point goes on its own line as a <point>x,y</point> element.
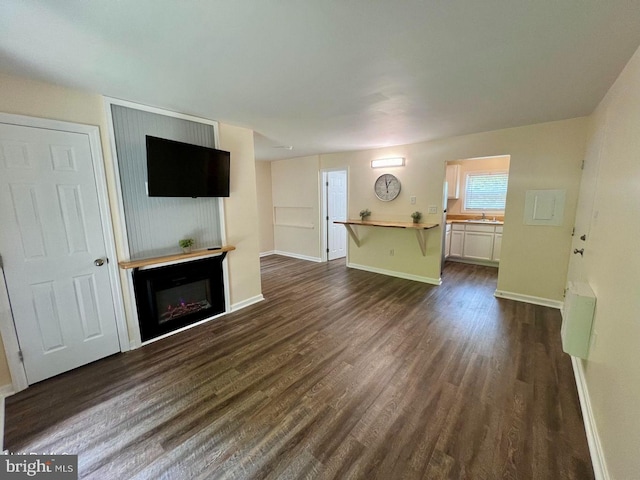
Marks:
<point>478,245</point>
<point>476,242</point>
<point>497,246</point>
<point>453,181</point>
<point>447,240</point>
<point>457,240</point>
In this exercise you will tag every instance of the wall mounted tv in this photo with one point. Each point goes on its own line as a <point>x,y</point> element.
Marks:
<point>177,169</point>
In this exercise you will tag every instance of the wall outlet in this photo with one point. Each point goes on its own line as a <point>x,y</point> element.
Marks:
<point>412,198</point>
<point>433,209</point>
<point>391,252</point>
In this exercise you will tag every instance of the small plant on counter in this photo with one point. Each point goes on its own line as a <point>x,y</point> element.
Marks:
<point>417,216</point>
<point>186,244</point>
<point>364,214</point>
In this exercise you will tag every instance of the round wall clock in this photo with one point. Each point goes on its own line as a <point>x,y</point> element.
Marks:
<point>387,187</point>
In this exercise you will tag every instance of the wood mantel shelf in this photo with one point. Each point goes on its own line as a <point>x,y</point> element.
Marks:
<point>145,262</point>
<point>419,228</point>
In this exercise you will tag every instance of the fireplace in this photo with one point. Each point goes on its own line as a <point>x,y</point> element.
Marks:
<point>171,297</point>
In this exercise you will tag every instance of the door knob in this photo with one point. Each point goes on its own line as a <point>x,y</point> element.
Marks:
<point>576,251</point>
<point>98,262</point>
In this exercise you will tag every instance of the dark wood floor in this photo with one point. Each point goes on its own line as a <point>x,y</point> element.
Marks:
<point>340,374</point>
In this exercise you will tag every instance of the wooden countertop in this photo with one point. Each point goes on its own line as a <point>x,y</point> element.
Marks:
<point>479,222</point>
<point>375,223</point>
<point>145,262</point>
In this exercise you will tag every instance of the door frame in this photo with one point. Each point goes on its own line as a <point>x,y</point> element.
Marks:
<point>7,325</point>
<point>324,212</point>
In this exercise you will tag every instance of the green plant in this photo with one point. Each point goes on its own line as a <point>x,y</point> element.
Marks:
<point>416,216</point>
<point>364,213</point>
<point>186,242</point>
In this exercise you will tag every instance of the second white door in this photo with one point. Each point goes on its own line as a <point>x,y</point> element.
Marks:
<point>337,211</point>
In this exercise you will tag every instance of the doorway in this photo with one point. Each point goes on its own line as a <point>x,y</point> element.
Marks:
<point>56,244</point>
<point>334,208</point>
<point>476,192</point>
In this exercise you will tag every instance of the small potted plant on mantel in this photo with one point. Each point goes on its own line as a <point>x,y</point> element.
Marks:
<point>186,244</point>
<point>417,216</point>
<point>364,214</point>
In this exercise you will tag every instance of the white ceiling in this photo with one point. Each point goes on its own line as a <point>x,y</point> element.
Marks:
<point>332,75</point>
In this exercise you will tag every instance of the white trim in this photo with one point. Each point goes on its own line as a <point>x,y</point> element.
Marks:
<point>136,336</point>
<point>10,339</point>
<point>245,303</point>
<point>298,256</point>
<point>95,146</point>
<point>324,213</point>
<point>391,273</point>
<point>147,342</point>
<point>519,297</point>
<point>266,254</point>
<point>7,390</point>
<point>1,424</point>
<point>593,439</point>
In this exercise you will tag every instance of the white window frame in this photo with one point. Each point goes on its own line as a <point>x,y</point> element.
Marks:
<point>463,195</point>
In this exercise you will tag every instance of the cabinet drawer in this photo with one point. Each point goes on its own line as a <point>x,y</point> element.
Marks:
<point>457,226</point>
<point>498,228</point>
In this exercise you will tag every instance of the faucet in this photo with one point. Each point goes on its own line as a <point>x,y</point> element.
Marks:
<point>484,216</point>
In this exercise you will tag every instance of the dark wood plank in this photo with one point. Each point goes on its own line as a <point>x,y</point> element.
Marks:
<point>339,373</point>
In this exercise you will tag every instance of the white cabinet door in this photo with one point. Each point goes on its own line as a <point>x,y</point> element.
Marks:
<point>497,246</point>
<point>457,240</point>
<point>453,181</point>
<point>447,242</point>
<point>478,245</point>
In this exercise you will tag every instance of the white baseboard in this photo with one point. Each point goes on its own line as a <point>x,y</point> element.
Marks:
<point>593,439</point>
<point>7,390</point>
<point>298,256</point>
<point>245,303</point>
<point>518,297</point>
<point>266,254</point>
<point>391,273</point>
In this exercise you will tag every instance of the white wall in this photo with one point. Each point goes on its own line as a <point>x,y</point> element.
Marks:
<point>296,202</point>
<point>609,215</point>
<point>265,206</point>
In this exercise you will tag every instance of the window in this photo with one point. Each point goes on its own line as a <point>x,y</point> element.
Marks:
<point>486,191</point>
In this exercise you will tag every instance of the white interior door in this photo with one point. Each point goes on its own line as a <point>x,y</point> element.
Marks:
<point>52,244</point>
<point>337,210</point>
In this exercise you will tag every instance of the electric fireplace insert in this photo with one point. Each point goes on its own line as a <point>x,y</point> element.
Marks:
<point>171,297</point>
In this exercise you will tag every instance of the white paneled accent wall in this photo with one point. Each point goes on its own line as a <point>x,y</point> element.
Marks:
<point>155,224</point>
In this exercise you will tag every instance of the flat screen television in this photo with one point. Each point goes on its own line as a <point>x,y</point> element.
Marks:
<point>177,169</point>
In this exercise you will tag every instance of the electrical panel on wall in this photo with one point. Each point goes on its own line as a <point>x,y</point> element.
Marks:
<point>544,207</point>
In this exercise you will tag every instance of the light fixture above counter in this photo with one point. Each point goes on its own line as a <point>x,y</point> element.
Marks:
<point>388,162</point>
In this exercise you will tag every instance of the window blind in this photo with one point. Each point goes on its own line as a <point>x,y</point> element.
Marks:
<point>486,191</point>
